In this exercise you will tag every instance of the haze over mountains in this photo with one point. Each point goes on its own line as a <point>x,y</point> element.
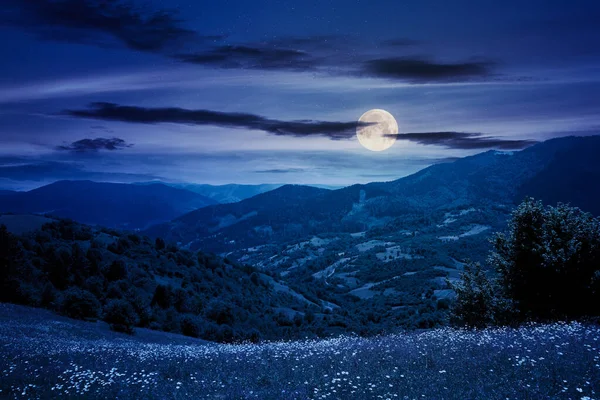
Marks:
<point>126,206</point>
<point>553,171</point>
<point>559,170</point>
<point>108,204</point>
<point>230,193</point>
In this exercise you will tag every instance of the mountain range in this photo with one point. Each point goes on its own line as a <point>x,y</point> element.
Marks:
<point>230,193</point>
<point>371,256</point>
<point>492,180</point>
<point>392,244</point>
<point>112,205</point>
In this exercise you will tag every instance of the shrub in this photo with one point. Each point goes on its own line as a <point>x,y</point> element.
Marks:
<point>120,315</point>
<point>219,312</point>
<point>49,295</point>
<point>477,299</point>
<point>116,271</point>
<point>191,326</point>
<point>549,262</point>
<point>163,296</point>
<point>80,304</point>
<point>548,266</point>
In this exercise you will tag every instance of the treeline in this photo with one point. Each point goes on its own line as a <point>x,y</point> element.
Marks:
<point>545,268</point>
<point>132,281</point>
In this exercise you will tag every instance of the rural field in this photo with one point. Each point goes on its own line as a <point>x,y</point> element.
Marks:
<point>47,356</point>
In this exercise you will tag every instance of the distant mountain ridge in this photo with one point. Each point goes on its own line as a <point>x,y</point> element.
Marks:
<point>489,179</point>
<point>112,205</point>
<point>231,192</point>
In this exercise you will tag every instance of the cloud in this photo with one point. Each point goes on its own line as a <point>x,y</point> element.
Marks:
<point>334,130</point>
<point>248,57</point>
<point>105,23</point>
<point>95,145</point>
<point>297,53</point>
<point>302,128</point>
<point>422,70</point>
<point>280,171</point>
<point>464,140</point>
<point>95,21</point>
<point>285,56</point>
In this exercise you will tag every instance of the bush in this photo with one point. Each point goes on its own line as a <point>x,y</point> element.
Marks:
<point>478,303</point>
<point>80,304</point>
<point>549,262</point>
<point>49,296</point>
<point>548,266</point>
<point>220,312</point>
<point>121,316</point>
<point>116,271</point>
<point>163,296</point>
<point>191,326</point>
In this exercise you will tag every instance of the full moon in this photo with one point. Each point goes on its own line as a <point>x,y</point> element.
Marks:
<point>374,137</point>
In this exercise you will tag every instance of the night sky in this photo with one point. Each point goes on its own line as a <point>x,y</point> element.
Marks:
<point>269,91</point>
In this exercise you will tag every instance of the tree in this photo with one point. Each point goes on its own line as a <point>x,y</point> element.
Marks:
<point>163,296</point>
<point>59,267</point>
<point>80,304</point>
<point>10,251</point>
<point>191,326</point>
<point>549,262</point>
<point>477,302</point>
<point>116,271</point>
<point>121,316</point>
<point>220,312</point>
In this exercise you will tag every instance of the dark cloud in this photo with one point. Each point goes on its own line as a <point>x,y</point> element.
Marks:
<point>247,57</point>
<point>109,22</point>
<point>307,58</point>
<point>98,22</point>
<point>303,128</point>
<point>422,70</point>
<point>464,140</point>
<point>94,145</point>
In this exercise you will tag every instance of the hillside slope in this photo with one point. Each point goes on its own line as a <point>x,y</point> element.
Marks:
<point>230,193</point>
<point>81,271</point>
<point>82,359</point>
<point>389,246</point>
<point>490,180</point>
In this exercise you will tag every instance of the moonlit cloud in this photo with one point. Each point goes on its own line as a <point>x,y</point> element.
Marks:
<point>214,94</point>
<point>95,22</point>
<point>334,130</point>
<point>464,140</point>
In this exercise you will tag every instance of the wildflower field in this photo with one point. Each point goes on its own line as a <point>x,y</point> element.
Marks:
<point>46,356</point>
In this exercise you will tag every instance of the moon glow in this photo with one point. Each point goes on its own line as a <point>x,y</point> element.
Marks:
<point>373,137</point>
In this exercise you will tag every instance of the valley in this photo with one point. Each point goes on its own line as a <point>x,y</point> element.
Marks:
<point>385,246</point>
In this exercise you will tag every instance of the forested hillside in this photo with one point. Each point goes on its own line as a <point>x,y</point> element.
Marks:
<point>130,280</point>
